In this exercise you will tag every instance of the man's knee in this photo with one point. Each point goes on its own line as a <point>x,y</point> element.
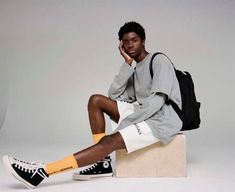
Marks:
<point>107,140</point>
<point>113,141</point>
<point>95,100</point>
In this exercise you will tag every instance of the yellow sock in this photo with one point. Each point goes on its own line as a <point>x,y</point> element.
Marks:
<point>97,137</point>
<point>65,164</point>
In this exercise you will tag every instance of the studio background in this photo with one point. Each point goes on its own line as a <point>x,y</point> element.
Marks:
<point>54,54</point>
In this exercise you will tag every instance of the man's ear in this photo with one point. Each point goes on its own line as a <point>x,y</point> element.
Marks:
<point>143,42</point>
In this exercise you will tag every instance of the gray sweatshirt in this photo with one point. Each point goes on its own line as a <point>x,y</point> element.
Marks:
<point>149,95</point>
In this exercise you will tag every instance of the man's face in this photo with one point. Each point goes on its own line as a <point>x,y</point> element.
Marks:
<point>132,44</point>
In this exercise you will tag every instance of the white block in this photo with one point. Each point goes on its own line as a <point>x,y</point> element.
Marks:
<point>157,160</point>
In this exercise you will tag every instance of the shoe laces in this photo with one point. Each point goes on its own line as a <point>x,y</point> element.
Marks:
<point>37,162</point>
<point>30,167</point>
<point>89,168</point>
<point>94,165</point>
<point>20,161</point>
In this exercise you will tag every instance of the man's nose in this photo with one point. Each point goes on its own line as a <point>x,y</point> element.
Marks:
<point>130,45</point>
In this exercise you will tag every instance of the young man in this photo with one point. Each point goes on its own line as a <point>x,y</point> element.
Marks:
<point>136,104</point>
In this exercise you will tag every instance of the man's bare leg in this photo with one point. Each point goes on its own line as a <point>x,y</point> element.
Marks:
<point>97,106</point>
<point>104,147</point>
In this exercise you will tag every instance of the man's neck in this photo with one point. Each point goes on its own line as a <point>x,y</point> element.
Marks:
<point>141,56</point>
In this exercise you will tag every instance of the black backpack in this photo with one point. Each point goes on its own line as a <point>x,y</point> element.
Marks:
<point>189,114</point>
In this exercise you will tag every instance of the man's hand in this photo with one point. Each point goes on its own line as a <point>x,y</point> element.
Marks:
<point>127,58</point>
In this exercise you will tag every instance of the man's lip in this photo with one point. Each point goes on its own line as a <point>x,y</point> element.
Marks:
<point>131,52</point>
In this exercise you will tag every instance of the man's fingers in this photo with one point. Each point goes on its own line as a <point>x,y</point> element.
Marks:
<point>120,46</point>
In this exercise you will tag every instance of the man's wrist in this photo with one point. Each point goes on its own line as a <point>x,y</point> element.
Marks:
<point>132,65</point>
<point>129,62</point>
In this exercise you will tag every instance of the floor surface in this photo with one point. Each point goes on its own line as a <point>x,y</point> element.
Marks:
<point>210,168</point>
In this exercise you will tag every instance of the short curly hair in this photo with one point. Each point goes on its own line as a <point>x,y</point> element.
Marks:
<point>132,26</point>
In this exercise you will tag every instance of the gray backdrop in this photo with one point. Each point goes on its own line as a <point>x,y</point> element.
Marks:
<point>54,54</point>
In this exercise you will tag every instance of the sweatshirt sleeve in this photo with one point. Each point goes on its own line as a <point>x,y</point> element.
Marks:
<point>122,87</point>
<point>154,104</point>
<point>163,73</point>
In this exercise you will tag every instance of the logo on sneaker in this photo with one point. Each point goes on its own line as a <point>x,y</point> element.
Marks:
<point>106,164</point>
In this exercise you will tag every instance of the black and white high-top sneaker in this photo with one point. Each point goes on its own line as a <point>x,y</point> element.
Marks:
<point>30,174</point>
<point>102,168</point>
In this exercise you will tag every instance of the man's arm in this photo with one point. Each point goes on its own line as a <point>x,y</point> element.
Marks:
<point>122,87</point>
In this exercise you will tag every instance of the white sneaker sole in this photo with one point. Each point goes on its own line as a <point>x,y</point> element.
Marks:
<point>77,176</point>
<point>9,168</point>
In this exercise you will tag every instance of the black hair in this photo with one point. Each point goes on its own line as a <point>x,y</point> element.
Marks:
<point>132,26</point>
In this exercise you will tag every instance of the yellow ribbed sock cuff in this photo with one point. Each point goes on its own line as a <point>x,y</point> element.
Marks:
<point>97,137</point>
<point>65,164</point>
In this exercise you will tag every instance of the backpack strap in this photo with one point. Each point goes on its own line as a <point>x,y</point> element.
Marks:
<point>175,107</point>
<point>169,101</point>
<point>151,63</point>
